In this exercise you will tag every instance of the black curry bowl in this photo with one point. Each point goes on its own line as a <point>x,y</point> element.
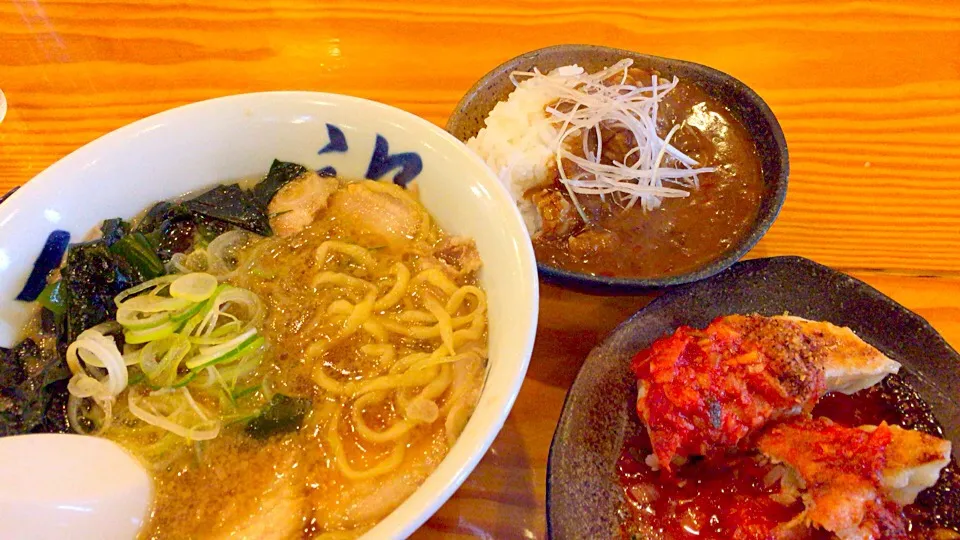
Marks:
<point>743,103</point>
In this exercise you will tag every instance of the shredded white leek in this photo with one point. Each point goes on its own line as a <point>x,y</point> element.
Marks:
<point>585,105</point>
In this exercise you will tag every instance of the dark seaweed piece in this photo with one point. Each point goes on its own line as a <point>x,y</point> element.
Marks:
<point>11,370</point>
<point>232,204</point>
<point>55,420</point>
<point>91,278</point>
<point>281,173</point>
<point>209,228</point>
<point>38,380</point>
<point>50,257</point>
<point>155,217</point>
<point>137,256</point>
<point>174,228</point>
<point>282,414</point>
<point>176,234</point>
<point>48,321</point>
<point>112,230</point>
<point>55,325</point>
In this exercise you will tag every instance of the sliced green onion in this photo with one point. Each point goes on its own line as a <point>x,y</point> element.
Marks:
<point>246,391</point>
<point>148,311</point>
<point>187,313</point>
<point>162,370</point>
<point>244,343</point>
<point>131,319</point>
<point>135,337</point>
<point>233,372</point>
<point>223,333</point>
<point>175,327</point>
<point>185,418</point>
<point>195,287</point>
<point>153,285</point>
<point>135,378</point>
<point>198,320</point>
<point>184,380</point>
<point>149,303</point>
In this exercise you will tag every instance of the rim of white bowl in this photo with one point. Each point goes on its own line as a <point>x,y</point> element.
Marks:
<point>420,507</point>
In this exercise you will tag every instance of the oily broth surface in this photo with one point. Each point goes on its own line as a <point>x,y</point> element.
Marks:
<point>289,485</point>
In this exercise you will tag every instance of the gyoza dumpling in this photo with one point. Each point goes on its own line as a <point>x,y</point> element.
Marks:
<point>702,392</point>
<point>913,463</point>
<point>854,480</point>
<point>849,363</point>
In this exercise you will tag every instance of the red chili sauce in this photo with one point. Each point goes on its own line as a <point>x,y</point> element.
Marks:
<point>729,498</point>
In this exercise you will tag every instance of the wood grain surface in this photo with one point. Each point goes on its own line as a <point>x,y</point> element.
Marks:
<point>868,94</point>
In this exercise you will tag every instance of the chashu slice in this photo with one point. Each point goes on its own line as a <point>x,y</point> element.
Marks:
<point>853,481</point>
<point>298,203</point>
<point>850,364</point>
<point>702,392</point>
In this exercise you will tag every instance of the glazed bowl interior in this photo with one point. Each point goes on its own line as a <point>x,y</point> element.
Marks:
<point>237,137</point>
<point>742,102</point>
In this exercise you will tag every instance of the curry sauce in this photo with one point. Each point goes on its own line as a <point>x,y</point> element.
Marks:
<point>683,234</point>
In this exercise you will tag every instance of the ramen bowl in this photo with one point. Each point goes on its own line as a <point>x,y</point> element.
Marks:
<point>237,137</point>
<point>741,102</point>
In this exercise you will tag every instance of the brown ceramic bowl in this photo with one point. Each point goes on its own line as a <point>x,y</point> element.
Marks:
<point>743,103</point>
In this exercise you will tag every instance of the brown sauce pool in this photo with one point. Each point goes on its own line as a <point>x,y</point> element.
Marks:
<point>730,499</point>
<point>683,234</point>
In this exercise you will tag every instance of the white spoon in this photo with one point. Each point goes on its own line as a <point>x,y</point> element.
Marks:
<point>70,486</point>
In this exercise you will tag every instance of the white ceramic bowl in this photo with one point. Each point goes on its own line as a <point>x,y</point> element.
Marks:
<point>236,137</point>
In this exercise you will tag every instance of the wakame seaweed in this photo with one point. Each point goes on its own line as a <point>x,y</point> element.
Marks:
<point>154,217</point>
<point>112,230</point>
<point>230,203</point>
<point>32,390</point>
<point>92,276</point>
<point>174,228</point>
<point>281,173</point>
<point>138,256</point>
<point>282,414</point>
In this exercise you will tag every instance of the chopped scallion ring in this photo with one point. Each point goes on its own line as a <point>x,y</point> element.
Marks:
<point>195,287</point>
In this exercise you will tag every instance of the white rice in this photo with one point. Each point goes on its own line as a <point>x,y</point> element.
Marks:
<point>519,140</point>
<point>526,138</point>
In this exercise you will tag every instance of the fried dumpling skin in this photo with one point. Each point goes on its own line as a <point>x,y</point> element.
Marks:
<point>702,392</point>
<point>913,463</point>
<point>849,363</point>
<point>854,481</point>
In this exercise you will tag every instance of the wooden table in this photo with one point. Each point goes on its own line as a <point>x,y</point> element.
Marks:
<point>867,93</point>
